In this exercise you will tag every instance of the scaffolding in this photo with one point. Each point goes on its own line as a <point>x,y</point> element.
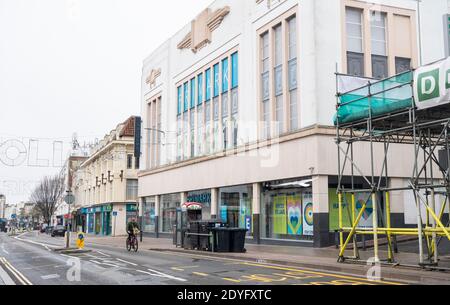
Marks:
<point>383,114</point>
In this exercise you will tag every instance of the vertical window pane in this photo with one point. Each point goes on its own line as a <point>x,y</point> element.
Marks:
<point>278,46</point>
<point>225,75</point>
<point>193,93</point>
<point>355,64</point>
<point>379,66</point>
<point>378,33</point>
<point>402,64</point>
<point>234,70</point>
<point>208,84</point>
<point>292,23</point>
<point>200,89</point>
<point>265,52</point>
<point>279,113</point>
<point>199,130</point>
<point>180,99</point>
<point>354,30</point>
<point>186,96</point>
<point>216,80</point>
<point>224,105</point>
<point>293,110</point>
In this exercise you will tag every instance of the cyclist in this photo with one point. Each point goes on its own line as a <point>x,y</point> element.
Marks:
<point>132,228</point>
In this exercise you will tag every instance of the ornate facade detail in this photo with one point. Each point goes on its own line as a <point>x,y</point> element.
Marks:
<point>154,74</point>
<point>202,28</point>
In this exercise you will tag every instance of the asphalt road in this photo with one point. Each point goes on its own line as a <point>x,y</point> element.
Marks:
<point>30,259</point>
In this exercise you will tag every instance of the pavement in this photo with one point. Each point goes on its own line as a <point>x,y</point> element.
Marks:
<point>30,258</point>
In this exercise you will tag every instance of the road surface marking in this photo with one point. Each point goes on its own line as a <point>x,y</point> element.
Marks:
<point>200,273</point>
<point>126,262</point>
<point>5,277</point>
<point>3,248</point>
<point>231,280</point>
<point>15,272</point>
<point>352,278</point>
<point>103,253</point>
<point>46,246</point>
<point>177,269</point>
<point>160,274</point>
<point>50,276</point>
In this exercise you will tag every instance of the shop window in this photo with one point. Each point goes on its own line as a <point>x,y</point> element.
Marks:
<point>169,205</point>
<point>149,215</point>
<point>235,207</point>
<point>286,213</point>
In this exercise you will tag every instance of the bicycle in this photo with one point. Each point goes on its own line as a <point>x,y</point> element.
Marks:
<point>132,242</point>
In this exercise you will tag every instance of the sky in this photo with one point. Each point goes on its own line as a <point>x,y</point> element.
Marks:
<point>72,66</point>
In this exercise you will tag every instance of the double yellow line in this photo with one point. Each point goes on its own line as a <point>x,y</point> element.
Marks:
<point>19,276</point>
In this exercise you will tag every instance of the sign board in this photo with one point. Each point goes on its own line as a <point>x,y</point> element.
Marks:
<point>80,240</point>
<point>13,216</point>
<point>114,214</point>
<point>137,136</point>
<point>69,199</point>
<point>432,85</point>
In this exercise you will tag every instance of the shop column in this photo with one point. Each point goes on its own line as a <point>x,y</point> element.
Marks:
<point>157,213</point>
<point>214,202</point>
<point>322,235</point>
<point>256,208</point>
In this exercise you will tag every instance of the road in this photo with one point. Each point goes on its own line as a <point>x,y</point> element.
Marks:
<point>30,259</point>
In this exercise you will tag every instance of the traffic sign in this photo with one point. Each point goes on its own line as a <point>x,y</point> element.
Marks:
<point>80,240</point>
<point>114,213</point>
<point>13,216</point>
<point>69,199</point>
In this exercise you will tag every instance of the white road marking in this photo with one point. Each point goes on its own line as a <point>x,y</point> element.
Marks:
<point>50,276</point>
<point>103,254</point>
<point>100,263</point>
<point>126,262</point>
<point>160,274</point>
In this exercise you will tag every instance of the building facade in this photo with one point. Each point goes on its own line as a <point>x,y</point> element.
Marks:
<point>237,110</point>
<point>105,184</point>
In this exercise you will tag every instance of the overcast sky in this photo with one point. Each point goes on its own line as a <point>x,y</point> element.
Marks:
<point>73,66</point>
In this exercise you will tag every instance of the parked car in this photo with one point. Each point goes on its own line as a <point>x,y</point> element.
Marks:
<point>3,225</point>
<point>49,230</point>
<point>59,231</point>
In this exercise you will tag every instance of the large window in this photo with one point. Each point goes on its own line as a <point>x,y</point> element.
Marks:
<point>379,46</point>
<point>132,189</point>
<point>293,105</point>
<point>355,53</point>
<point>208,119</point>
<point>235,207</point>
<point>265,94</point>
<point>286,213</point>
<point>278,83</point>
<point>148,220</point>
<point>169,205</point>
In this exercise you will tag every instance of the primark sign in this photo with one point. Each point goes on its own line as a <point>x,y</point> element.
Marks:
<point>432,85</point>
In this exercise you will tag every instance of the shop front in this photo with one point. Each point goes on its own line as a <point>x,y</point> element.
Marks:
<point>90,216</point>
<point>149,215</point>
<point>287,210</point>
<point>169,205</point>
<point>203,199</point>
<point>132,213</point>
<point>106,220</point>
<point>235,207</point>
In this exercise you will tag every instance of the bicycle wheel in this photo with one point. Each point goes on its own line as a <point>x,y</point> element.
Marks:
<point>128,245</point>
<point>136,245</point>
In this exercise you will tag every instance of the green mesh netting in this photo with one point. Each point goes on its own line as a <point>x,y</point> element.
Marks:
<point>354,105</point>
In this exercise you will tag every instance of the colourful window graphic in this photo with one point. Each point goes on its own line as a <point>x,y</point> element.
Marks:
<point>234,70</point>
<point>216,80</point>
<point>225,75</point>
<point>200,89</point>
